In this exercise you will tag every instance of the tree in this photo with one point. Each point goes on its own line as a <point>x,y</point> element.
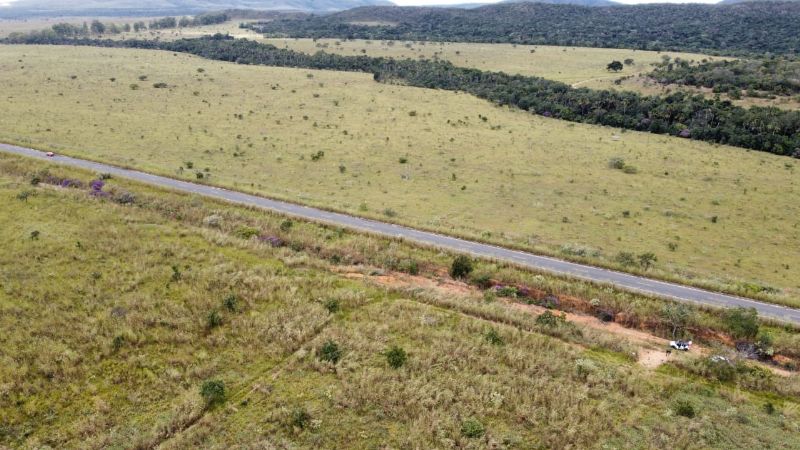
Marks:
<point>742,322</point>
<point>184,22</point>
<point>677,316</point>
<point>139,26</point>
<point>97,27</point>
<point>614,66</point>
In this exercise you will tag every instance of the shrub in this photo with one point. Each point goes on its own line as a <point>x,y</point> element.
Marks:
<point>483,280</point>
<point>23,196</point>
<point>548,319</point>
<point>403,160</point>
<point>493,337</point>
<point>214,320</point>
<point>616,163</point>
<point>329,352</point>
<point>625,259</point>
<point>396,357</point>
<point>213,392</point>
<point>507,291</point>
<point>245,232</point>
<point>176,274</point>
<point>159,85</point>
<point>300,419</point>
<point>684,408</point>
<point>472,428</point>
<point>409,266</point>
<point>646,260</point>
<point>286,225</point>
<point>389,212</point>
<point>213,221</point>
<point>332,305</point>
<point>461,267</point>
<point>230,303</point>
<point>630,169</point>
<point>123,197</point>
<point>742,322</point>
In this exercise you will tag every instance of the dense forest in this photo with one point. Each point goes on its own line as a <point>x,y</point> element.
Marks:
<point>757,27</point>
<point>756,77</point>
<point>680,114</point>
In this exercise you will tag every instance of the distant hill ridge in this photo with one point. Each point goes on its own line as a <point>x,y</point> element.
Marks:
<point>751,27</point>
<point>21,8</point>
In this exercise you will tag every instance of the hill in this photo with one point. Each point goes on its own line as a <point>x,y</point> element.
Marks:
<point>23,8</point>
<point>742,28</point>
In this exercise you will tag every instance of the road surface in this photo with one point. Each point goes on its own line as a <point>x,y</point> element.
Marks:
<point>543,263</point>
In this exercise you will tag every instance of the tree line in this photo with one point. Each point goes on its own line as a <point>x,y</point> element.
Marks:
<point>757,77</point>
<point>679,114</point>
<point>95,27</point>
<point>746,28</point>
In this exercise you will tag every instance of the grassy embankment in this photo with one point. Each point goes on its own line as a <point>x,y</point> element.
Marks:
<point>437,160</point>
<point>114,316</point>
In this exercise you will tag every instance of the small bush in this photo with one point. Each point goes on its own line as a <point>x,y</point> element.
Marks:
<point>329,352</point>
<point>332,305</point>
<point>742,322</point>
<point>123,197</point>
<point>493,337</point>
<point>507,291</point>
<point>625,259</point>
<point>483,280</point>
<point>245,232</point>
<point>286,225</point>
<point>548,319</point>
<point>300,419</point>
<point>160,85</point>
<point>684,408</point>
<point>213,392</point>
<point>616,163</point>
<point>396,357</point>
<point>461,267</point>
<point>409,266</point>
<point>213,320</point>
<point>230,303</point>
<point>472,428</point>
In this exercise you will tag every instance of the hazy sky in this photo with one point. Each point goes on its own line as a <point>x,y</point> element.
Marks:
<point>445,2</point>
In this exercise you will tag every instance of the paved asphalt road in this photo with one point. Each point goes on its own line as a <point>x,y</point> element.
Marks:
<point>543,263</point>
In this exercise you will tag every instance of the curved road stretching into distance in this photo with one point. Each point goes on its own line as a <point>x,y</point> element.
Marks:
<point>555,266</point>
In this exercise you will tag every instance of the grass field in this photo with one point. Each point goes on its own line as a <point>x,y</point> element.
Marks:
<point>439,160</point>
<point>115,315</point>
<point>578,66</point>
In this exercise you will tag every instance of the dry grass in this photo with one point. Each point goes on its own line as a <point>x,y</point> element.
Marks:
<point>514,179</point>
<point>67,380</point>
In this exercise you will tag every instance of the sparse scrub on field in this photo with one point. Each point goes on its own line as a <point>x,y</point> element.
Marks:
<point>591,201</point>
<point>261,368</point>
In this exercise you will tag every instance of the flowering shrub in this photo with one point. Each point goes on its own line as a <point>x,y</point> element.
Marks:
<point>271,240</point>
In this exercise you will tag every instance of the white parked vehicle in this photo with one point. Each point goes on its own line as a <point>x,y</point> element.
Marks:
<point>680,345</point>
<point>50,154</point>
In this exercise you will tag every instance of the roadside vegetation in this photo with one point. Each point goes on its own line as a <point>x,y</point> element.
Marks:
<point>287,133</point>
<point>137,317</point>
